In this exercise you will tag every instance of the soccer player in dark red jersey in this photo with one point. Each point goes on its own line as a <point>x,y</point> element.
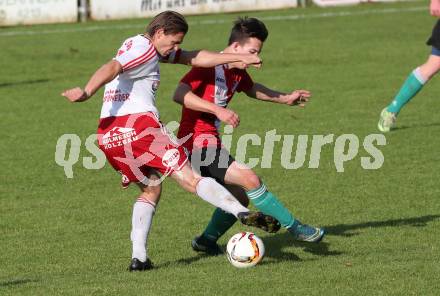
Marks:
<point>205,94</point>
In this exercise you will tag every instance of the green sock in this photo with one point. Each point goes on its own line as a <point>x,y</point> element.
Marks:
<point>268,203</point>
<point>219,224</point>
<point>409,89</point>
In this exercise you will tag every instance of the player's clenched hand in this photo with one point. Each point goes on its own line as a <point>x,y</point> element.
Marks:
<point>75,94</point>
<point>435,8</point>
<point>251,60</point>
<point>228,116</point>
<point>297,97</point>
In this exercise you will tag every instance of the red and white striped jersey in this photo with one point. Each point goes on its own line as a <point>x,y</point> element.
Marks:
<point>134,90</point>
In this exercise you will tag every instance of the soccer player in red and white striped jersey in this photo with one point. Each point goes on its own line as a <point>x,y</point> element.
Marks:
<point>134,140</point>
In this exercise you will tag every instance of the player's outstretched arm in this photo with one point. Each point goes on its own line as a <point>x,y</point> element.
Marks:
<point>261,92</point>
<point>103,75</point>
<point>184,96</point>
<point>208,59</point>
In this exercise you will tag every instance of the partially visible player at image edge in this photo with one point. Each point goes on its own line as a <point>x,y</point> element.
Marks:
<point>417,78</point>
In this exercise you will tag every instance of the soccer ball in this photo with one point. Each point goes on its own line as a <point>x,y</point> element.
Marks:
<point>245,249</point>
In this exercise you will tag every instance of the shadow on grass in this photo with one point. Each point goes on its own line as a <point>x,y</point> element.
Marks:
<point>7,84</point>
<point>15,282</point>
<point>276,247</point>
<point>277,244</point>
<point>404,127</point>
<point>349,229</point>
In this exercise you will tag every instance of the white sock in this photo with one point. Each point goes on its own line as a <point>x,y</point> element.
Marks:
<point>214,193</point>
<point>143,212</point>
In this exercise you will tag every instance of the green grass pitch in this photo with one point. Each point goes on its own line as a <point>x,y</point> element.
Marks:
<point>62,236</point>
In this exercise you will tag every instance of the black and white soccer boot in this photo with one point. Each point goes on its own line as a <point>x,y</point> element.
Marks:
<point>138,265</point>
<point>259,220</point>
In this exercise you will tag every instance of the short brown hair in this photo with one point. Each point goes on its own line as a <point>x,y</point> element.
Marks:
<point>245,28</point>
<point>170,21</point>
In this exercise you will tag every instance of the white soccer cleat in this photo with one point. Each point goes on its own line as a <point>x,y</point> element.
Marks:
<point>387,121</point>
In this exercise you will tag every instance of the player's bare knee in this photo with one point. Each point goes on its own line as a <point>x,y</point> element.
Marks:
<point>430,68</point>
<point>149,198</point>
<point>150,193</point>
<point>194,183</point>
<point>190,184</point>
<point>251,181</point>
<point>436,68</point>
<point>433,69</point>
<point>155,190</point>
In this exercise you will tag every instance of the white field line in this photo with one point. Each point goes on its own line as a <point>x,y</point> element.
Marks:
<point>222,21</point>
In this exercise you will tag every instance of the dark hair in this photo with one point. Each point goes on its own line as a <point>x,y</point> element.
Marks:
<point>170,21</point>
<point>245,28</point>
